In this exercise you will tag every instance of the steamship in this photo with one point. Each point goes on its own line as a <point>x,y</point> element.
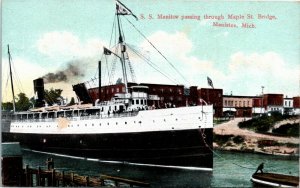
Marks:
<point>128,129</point>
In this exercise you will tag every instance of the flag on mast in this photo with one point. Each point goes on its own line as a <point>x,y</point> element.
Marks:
<point>210,83</point>
<point>107,51</point>
<point>123,10</point>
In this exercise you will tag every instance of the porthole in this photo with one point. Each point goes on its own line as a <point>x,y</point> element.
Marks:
<point>86,125</point>
<point>107,123</point>
<point>125,123</point>
<point>93,124</point>
<point>116,123</point>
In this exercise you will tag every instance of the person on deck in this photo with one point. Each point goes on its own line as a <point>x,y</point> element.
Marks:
<point>260,168</point>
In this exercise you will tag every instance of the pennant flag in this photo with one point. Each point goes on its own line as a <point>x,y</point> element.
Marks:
<point>210,83</point>
<point>123,10</point>
<point>107,51</point>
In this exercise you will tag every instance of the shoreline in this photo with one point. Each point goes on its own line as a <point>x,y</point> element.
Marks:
<point>229,137</point>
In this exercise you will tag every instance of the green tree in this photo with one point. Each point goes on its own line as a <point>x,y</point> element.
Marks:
<point>22,102</point>
<point>53,96</point>
<point>7,106</point>
<point>72,102</point>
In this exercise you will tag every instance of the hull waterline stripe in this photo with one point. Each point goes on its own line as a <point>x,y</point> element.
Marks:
<point>120,162</point>
<point>269,183</point>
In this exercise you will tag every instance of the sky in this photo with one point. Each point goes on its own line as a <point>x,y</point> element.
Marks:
<point>67,36</point>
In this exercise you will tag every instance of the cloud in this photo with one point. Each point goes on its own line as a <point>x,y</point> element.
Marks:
<point>244,74</point>
<point>177,48</point>
<point>251,71</point>
<point>66,44</point>
<point>24,72</point>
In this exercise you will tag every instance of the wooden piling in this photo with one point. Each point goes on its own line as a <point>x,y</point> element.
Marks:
<point>50,177</point>
<point>53,182</point>
<point>87,181</point>
<point>38,177</point>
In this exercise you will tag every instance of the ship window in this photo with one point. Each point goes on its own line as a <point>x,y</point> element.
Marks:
<point>153,121</point>
<point>132,101</point>
<point>137,101</point>
<point>116,123</point>
<point>93,124</point>
<point>77,125</point>
<point>107,123</point>
<point>115,107</point>
<point>164,120</point>
<point>86,125</point>
<point>142,101</point>
<point>125,123</point>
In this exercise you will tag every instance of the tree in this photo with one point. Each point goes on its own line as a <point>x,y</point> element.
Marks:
<point>72,102</point>
<point>53,96</point>
<point>7,106</point>
<point>22,102</point>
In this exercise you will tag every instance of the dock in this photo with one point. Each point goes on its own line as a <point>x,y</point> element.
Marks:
<point>13,174</point>
<point>51,178</point>
<point>275,180</point>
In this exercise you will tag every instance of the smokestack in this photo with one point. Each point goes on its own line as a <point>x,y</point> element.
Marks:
<point>82,93</point>
<point>39,92</point>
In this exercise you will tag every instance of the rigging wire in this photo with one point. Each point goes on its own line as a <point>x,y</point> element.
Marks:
<point>203,138</point>
<point>151,64</point>
<point>158,51</point>
<point>112,30</point>
<point>18,80</point>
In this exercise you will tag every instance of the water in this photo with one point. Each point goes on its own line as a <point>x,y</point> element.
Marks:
<point>230,169</point>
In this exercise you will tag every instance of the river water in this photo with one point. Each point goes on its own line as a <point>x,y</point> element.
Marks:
<point>230,169</point>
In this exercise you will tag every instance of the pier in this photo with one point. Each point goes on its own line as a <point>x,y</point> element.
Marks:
<point>52,178</point>
<point>13,174</point>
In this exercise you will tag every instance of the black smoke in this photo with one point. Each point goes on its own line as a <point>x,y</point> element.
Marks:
<point>73,71</point>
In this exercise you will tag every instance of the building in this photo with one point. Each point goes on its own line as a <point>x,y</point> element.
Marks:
<point>273,103</point>
<point>239,106</point>
<point>257,106</point>
<point>159,95</point>
<point>214,97</point>
<point>296,105</point>
<point>163,95</point>
<point>288,106</point>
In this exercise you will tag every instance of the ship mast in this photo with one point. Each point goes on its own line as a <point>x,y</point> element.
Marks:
<point>11,80</point>
<point>123,50</point>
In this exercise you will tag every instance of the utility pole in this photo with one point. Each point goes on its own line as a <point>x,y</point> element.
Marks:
<point>262,98</point>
